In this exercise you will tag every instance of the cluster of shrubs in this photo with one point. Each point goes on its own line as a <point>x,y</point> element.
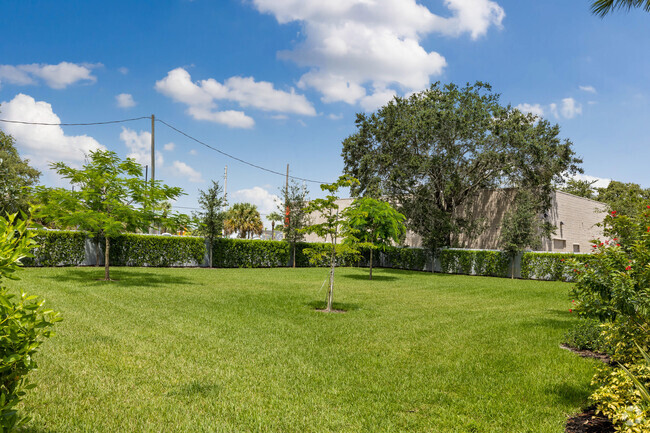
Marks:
<point>612,291</point>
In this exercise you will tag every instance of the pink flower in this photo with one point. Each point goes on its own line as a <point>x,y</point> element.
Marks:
<point>628,268</point>
<point>570,310</point>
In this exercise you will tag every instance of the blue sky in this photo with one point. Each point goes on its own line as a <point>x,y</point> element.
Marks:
<point>280,81</point>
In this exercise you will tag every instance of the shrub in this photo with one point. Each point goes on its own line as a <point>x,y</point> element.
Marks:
<point>550,266</point>
<point>241,253</point>
<point>586,334</point>
<point>145,250</point>
<point>24,323</point>
<point>488,263</point>
<point>57,248</point>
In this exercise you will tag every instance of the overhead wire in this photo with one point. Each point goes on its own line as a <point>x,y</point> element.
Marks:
<point>259,167</point>
<point>74,124</point>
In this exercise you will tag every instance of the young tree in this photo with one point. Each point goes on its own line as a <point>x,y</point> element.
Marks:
<point>328,210</point>
<point>111,198</point>
<point>244,219</point>
<point>211,216</point>
<point>295,217</point>
<point>373,224</point>
<point>434,151</point>
<point>274,217</point>
<point>522,226</point>
<point>16,176</point>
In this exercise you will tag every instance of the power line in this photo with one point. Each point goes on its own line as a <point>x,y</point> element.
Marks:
<point>74,124</point>
<point>234,157</point>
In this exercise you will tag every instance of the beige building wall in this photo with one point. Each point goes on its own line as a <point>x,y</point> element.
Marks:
<point>574,217</point>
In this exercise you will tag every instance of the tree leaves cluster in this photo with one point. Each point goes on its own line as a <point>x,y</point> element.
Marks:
<point>210,217</point>
<point>295,215</point>
<point>16,176</point>
<point>432,152</point>
<point>243,219</point>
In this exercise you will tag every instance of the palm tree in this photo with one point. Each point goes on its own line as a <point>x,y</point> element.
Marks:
<point>244,219</point>
<point>273,217</point>
<point>603,7</point>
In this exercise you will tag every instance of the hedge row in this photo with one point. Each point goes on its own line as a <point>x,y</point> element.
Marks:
<point>475,262</point>
<point>58,248</point>
<point>549,266</point>
<point>63,248</point>
<point>144,250</point>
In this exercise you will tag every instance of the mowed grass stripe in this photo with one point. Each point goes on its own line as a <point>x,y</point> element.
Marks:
<point>243,350</point>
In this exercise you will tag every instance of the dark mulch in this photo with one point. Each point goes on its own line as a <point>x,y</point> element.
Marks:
<point>589,422</point>
<point>585,353</point>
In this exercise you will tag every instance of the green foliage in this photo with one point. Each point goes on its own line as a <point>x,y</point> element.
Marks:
<point>624,198</point>
<point>521,226</point>
<point>57,248</point>
<point>551,266</point>
<point>112,198</point>
<point>435,150</point>
<point>24,324</point>
<point>603,7</point>
<point>210,218</point>
<point>586,334</point>
<point>581,188</point>
<point>293,209</point>
<point>241,253</point>
<point>161,251</point>
<point>16,176</point>
<point>243,219</point>
<point>407,258</point>
<point>476,262</point>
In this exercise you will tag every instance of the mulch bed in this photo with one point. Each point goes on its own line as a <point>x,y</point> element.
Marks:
<point>588,421</point>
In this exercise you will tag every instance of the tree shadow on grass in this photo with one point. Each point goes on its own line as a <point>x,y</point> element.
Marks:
<point>195,388</point>
<point>365,277</point>
<point>342,306</point>
<point>119,277</point>
<point>569,394</point>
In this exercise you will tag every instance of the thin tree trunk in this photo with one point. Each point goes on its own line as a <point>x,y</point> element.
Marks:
<point>371,263</point>
<point>330,293</point>
<point>272,230</point>
<point>210,252</point>
<point>107,275</point>
<point>293,264</point>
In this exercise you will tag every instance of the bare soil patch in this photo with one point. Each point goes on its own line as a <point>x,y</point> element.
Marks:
<point>589,422</point>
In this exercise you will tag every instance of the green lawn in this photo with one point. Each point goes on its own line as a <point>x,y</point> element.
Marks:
<point>243,350</point>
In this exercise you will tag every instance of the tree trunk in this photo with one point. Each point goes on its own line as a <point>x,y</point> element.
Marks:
<point>272,230</point>
<point>107,275</point>
<point>330,292</point>
<point>210,253</point>
<point>371,263</point>
<point>293,262</point>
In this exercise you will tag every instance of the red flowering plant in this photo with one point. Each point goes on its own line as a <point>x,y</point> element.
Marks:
<point>615,288</point>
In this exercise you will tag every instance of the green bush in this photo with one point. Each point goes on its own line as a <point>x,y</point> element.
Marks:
<point>475,262</point>
<point>24,324</point>
<point>415,259</point>
<point>551,266</point>
<point>57,248</point>
<point>161,251</point>
<point>586,334</point>
<point>241,253</point>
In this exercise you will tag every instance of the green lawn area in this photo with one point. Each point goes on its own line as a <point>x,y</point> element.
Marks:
<point>243,350</point>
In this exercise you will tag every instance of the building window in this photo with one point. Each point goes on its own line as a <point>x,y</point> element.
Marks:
<point>576,248</point>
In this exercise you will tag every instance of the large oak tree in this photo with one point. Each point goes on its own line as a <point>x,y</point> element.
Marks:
<point>434,151</point>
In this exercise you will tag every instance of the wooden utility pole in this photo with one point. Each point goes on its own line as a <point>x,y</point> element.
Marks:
<point>153,148</point>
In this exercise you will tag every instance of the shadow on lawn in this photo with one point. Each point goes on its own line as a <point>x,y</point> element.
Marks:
<point>569,395</point>
<point>343,306</point>
<point>131,277</point>
<point>365,277</point>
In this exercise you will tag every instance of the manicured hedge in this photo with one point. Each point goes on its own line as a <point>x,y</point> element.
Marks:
<point>549,266</point>
<point>58,248</point>
<point>146,250</point>
<point>241,253</point>
<point>415,259</point>
<point>475,262</point>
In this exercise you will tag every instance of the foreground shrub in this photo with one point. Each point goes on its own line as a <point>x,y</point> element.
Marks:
<point>24,324</point>
<point>586,334</point>
<point>57,248</point>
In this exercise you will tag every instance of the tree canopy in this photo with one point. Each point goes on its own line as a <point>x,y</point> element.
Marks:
<point>295,217</point>
<point>432,152</point>
<point>373,224</point>
<point>243,219</point>
<point>111,197</point>
<point>211,215</point>
<point>16,176</point>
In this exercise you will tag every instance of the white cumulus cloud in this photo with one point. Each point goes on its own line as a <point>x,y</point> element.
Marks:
<point>125,100</point>
<point>265,201</point>
<point>201,97</point>
<point>352,47</point>
<point>599,182</point>
<point>56,76</point>
<point>181,169</point>
<point>534,109</point>
<point>570,108</point>
<point>40,143</point>
<point>169,147</point>
<point>139,145</point>
<point>588,89</point>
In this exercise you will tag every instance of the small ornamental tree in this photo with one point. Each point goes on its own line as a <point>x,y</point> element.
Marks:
<point>243,219</point>
<point>111,198</point>
<point>295,217</point>
<point>274,217</point>
<point>24,324</point>
<point>329,228</point>
<point>373,224</point>
<point>211,215</point>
